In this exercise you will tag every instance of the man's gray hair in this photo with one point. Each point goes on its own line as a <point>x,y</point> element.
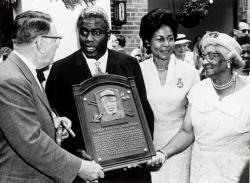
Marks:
<point>30,24</point>
<point>93,12</point>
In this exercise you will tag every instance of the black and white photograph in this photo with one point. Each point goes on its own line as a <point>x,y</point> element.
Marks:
<point>124,91</point>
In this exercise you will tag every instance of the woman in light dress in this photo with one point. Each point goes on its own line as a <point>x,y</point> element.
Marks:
<point>167,81</point>
<point>217,121</point>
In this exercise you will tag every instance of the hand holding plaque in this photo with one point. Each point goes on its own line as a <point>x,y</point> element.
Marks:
<point>90,171</point>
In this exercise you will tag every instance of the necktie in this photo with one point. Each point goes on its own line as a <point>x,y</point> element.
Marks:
<point>98,70</point>
<point>40,75</point>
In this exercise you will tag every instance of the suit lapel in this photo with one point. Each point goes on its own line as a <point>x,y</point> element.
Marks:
<point>82,67</point>
<point>110,63</point>
<point>30,77</point>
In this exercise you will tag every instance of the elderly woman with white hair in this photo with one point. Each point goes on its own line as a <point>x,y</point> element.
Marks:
<point>217,121</point>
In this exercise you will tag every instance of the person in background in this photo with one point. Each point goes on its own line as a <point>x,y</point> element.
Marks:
<point>197,57</point>
<point>218,123</point>
<point>94,32</point>
<point>182,52</point>
<point>244,28</point>
<point>111,42</point>
<point>244,41</point>
<point>168,81</point>
<point>140,53</point>
<point>119,43</point>
<point>28,150</point>
<point>4,53</point>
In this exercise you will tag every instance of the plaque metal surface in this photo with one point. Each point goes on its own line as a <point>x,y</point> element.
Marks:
<point>112,121</point>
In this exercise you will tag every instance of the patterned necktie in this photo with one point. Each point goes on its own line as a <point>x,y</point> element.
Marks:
<point>98,70</point>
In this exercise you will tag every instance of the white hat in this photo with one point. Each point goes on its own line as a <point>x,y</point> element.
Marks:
<point>181,39</point>
<point>226,41</point>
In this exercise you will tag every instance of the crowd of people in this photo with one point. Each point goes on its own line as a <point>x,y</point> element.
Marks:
<point>195,101</point>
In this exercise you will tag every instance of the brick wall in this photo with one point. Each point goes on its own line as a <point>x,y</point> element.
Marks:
<point>135,10</point>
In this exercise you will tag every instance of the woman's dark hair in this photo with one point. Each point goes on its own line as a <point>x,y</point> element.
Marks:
<point>152,21</point>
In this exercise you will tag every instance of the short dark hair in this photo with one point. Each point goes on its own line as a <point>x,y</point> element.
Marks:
<point>30,24</point>
<point>152,21</point>
<point>93,12</point>
<point>121,39</point>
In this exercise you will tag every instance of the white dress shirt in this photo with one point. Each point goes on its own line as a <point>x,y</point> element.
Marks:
<point>91,63</point>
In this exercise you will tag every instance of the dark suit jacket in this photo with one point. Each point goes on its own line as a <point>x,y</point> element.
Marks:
<point>74,70</point>
<point>28,153</point>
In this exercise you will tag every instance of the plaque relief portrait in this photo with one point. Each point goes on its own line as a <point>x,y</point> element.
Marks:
<point>109,104</point>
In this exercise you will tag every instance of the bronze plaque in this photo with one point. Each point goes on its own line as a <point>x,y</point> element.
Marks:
<point>112,121</point>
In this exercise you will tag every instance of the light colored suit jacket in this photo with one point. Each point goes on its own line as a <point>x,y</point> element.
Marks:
<point>28,152</point>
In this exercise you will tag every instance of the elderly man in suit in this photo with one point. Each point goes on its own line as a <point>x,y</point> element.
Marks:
<point>94,58</point>
<point>28,152</point>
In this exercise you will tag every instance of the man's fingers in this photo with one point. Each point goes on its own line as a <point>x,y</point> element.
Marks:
<point>66,122</point>
<point>57,122</point>
<point>65,134</point>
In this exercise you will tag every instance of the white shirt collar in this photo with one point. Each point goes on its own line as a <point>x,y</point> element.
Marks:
<point>29,64</point>
<point>103,62</point>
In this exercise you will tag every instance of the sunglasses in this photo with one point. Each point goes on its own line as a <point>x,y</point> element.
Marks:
<point>245,30</point>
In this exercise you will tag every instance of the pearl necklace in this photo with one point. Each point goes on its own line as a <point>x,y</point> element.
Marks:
<point>163,69</point>
<point>226,85</point>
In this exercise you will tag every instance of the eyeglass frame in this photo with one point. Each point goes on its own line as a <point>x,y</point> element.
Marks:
<point>57,38</point>
<point>52,37</point>
<point>208,56</point>
<point>101,32</point>
<point>245,30</point>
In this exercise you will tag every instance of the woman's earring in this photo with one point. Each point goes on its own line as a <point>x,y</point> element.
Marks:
<point>228,64</point>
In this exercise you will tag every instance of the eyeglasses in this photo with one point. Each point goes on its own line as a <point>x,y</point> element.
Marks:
<point>211,56</point>
<point>57,38</point>
<point>94,32</point>
<point>245,30</point>
<point>52,37</point>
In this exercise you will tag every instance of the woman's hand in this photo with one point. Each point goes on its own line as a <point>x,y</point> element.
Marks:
<point>158,160</point>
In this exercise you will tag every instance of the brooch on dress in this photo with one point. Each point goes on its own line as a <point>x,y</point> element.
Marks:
<point>179,83</point>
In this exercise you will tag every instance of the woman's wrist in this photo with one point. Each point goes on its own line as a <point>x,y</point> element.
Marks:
<point>164,153</point>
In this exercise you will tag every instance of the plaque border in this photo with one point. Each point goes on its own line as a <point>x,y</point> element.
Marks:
<point>89,84</point>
